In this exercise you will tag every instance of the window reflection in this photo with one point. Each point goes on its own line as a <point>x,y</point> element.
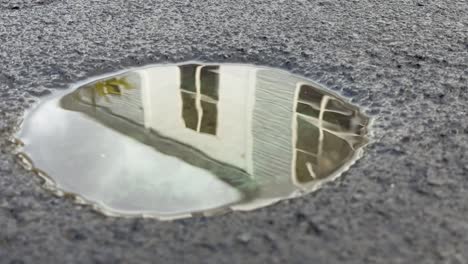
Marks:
<point>199,86</point>
<point>189,110</point>
<point>319,119</point>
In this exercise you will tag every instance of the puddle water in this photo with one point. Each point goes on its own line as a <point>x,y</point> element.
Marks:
<point>173,141</point>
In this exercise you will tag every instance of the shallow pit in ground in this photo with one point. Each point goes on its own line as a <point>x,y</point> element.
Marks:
<point>172,141</point>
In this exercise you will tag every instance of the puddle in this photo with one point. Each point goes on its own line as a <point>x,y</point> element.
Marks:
<point>173,141</point>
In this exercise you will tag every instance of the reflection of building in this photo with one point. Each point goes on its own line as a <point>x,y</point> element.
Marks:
<point>204,106</point>
<point>278,128</point>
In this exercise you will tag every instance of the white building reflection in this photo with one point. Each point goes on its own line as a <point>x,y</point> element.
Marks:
<point>280,130</point>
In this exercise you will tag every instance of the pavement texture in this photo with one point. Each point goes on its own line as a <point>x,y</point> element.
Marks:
<point>406,62</point>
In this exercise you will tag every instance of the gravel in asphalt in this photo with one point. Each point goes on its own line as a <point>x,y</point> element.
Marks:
<point>406,62</point>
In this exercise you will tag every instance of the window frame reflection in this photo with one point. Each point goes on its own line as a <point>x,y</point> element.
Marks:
<point>196,83</point>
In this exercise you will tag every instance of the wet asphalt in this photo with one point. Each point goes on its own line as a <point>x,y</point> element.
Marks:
<point>405,62</point>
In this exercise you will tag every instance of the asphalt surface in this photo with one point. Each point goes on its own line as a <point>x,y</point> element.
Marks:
<point>406,62</point>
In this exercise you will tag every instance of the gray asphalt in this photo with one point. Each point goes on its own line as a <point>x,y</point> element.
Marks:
<point>406,62</point>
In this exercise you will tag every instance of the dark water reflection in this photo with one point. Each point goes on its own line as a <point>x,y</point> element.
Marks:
<point>170,141</point>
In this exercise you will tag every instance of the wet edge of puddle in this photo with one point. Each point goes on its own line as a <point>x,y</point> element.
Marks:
<point>48,184</point>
